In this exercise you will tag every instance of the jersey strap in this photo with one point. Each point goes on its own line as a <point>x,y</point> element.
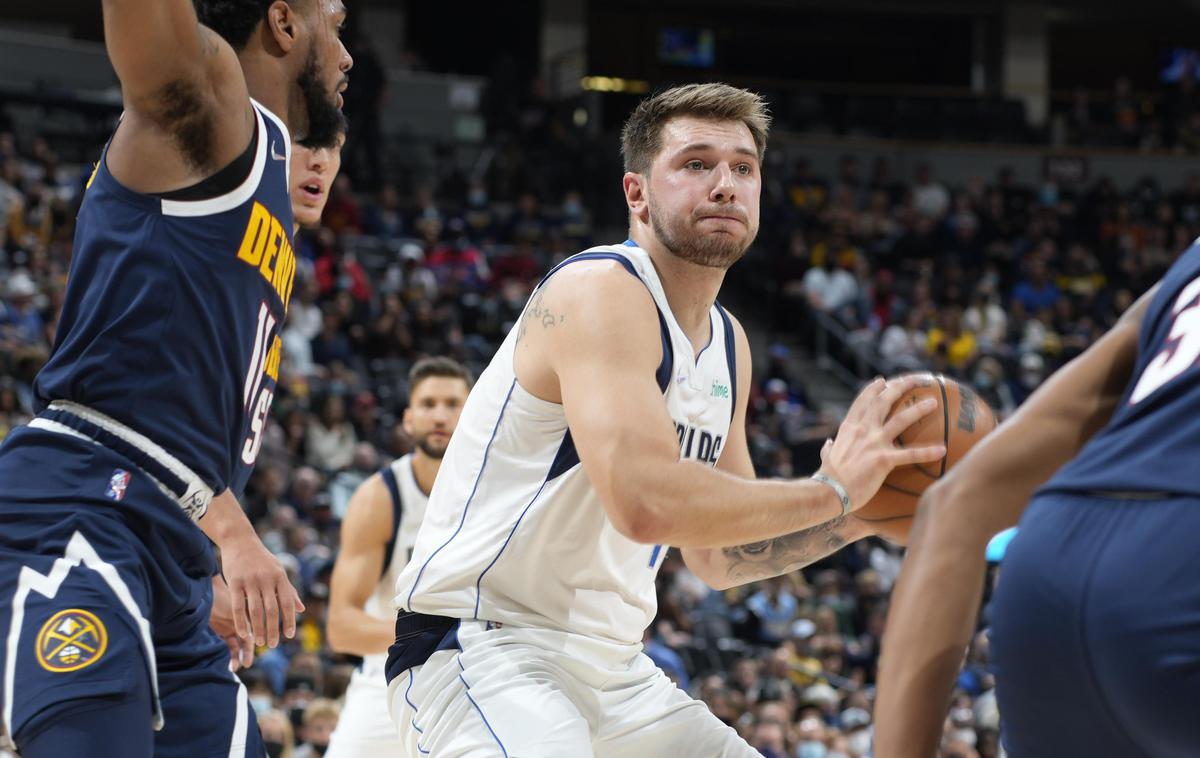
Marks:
<point>389,478</point>
<point>567,458</point>
<point>730,357</point>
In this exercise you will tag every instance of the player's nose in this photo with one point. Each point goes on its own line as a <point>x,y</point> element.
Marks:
<point>722,189</point>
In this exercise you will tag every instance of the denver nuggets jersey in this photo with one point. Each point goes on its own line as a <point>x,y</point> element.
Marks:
<point>408,508</point>
<point>173,309</point>
<point>1152,442</point>
<point>515,532</point>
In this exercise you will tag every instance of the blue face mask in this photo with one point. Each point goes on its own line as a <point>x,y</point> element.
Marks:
<point>810,750</point>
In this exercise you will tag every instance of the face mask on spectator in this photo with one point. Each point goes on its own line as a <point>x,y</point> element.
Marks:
<point>859,743</point>
<point>965,736</point>
<point>261,703</point>
<point>274,749</point>
<point>810,749</point>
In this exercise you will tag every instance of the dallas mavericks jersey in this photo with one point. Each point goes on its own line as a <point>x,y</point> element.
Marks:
<point>172,312</point>
<point>408,508</point>
<point>515,532</point>
<point>1152,442</point>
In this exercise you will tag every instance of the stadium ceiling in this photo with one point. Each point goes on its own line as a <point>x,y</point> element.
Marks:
<point>82,18</point>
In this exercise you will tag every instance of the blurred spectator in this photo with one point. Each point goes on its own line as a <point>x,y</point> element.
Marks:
<point>330,441</point>
<point>320,718</point>
<point>929,196</point>
<point>277,734</point>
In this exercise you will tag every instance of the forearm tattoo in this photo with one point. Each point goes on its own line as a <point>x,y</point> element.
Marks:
<point>759,560</point>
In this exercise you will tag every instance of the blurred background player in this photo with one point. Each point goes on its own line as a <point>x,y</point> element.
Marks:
<point>1094,623</point>
<point>152,403</point>
<point>610,424</point>
<point>378,534</point>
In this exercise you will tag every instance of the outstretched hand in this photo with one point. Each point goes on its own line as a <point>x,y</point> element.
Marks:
<point>865,450</point>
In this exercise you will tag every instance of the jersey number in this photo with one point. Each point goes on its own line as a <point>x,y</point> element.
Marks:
<point>256,397</point>
<point>1182,349</point>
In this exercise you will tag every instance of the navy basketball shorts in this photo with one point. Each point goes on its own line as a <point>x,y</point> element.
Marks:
<point>105,593</point>
<point>1096,629</point>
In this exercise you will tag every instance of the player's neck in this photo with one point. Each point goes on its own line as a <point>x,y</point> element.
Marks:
<point>263,77</point>
<point>425,470</point>
<point>691,290</point>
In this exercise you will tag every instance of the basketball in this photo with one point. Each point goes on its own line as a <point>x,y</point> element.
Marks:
<point>962,419</point>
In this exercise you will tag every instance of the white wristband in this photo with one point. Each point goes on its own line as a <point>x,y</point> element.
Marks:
<point>837,487</point>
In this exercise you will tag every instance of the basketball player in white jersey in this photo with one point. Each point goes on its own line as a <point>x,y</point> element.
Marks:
<point>609,425</point>
<point>378,533</point>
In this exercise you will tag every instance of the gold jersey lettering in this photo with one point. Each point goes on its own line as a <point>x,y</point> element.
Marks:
<point>266,246</point>
<point>272,367</point>
<point>257,231</point>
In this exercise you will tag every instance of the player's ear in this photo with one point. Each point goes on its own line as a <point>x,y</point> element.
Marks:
<point>406,421</point>
<point>282,25</point>
<point>635,196</point>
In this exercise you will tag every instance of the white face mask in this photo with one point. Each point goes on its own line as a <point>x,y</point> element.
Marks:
<point>859,743</point>
<point>261,703</point>
<point>965,736</point>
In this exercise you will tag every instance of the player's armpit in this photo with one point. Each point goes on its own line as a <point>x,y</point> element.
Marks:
<point>940,586</point>
<point>180,79</point>
<point>366,530</point>
<point>159,49</point>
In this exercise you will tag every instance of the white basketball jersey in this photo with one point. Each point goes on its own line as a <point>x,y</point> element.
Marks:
<point>515,532</point>
<point>408,509</point>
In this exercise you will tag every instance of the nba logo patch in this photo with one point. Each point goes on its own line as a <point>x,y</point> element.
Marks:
<point>71,640</point>
<point>117,485</point>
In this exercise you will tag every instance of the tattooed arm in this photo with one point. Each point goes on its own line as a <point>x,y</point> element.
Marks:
<point>722,568</point>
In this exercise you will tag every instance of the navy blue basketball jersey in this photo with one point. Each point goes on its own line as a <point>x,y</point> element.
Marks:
<point>1152,443</point>
<point>173,310</point>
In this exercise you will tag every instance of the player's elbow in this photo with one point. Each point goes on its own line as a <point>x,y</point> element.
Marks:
<point>640,522</point>
<point>637,514</point>
<point>637,496</point>
<point>335,634</point>
<point>945,514</point>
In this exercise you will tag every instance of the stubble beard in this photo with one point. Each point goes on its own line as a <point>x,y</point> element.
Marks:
<point>684,241</point>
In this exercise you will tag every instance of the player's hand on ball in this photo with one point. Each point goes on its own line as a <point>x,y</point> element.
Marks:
<point>260,594</point>
<point>865,450</point>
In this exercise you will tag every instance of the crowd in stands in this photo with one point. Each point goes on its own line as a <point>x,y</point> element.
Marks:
<point>1167,118</point>
<point>994,282</point>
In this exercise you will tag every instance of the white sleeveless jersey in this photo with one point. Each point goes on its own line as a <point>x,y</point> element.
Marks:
<point>408,508</point>
<point>515,532</point>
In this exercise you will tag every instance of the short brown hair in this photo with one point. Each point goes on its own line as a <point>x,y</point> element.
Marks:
<point>641,137</point>
<point>437,366</point>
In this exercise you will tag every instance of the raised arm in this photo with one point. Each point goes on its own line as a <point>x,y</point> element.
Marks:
<point>590,340</point>
<point>187,111</point>
<point>366,530</point>
<point>726,567</point>
<point>937,595</point>
<point>159,45</point>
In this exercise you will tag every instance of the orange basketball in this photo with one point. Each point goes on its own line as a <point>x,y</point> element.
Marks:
<point>961,420</point>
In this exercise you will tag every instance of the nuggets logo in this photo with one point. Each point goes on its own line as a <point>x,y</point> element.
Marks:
<point>71,640</point>
<point>117,485</point>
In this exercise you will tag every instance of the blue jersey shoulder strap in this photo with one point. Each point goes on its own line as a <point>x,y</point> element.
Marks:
<point>730,357</point>
<point>389,478</point>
